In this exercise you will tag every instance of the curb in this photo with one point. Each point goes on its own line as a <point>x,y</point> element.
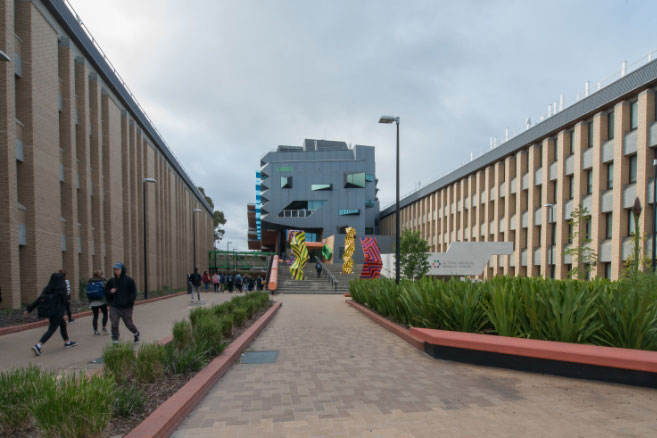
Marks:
<point>400,331</point>
<point>163,420</point>
<point>44,322</point>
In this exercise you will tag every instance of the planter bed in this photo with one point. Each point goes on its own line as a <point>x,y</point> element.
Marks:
<point>617,365</point>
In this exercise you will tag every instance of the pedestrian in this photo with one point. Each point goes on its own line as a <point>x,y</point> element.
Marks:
<point>215,281</point>
<point>318,268</point>
<point>259,282</point>
<point>238,282</point>
<point>68,296</point>
<point>196,280</point>
<point>229,283</point>
<point>51,304</point>
<point>121,293</point>
<point>222,281</point>
<point>206,280</point>
<point>97,301</point>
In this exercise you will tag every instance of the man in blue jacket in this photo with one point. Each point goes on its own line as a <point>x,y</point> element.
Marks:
<point>121,293</point>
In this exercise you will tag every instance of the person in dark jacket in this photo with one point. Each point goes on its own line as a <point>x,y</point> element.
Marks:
<point>52,304</point>
<point>97,282</point>
<point>121,293</point>
<point>196,280</point>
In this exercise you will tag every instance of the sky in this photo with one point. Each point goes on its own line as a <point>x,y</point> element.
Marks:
<point>227,81</point>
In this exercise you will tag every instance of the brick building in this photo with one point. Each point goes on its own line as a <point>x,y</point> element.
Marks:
<point>75,148</point>
<point>597,153</point>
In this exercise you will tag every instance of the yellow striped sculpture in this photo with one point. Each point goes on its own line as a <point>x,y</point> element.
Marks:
<point>298,245</point>
<point>349,248</point>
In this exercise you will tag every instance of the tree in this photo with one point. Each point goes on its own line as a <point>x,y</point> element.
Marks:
<point>217,216</point>
<point>637,261</point>
<point>413,254</point>
<point>580,251</point>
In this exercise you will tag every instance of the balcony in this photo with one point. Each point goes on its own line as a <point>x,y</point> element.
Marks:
<point>607,201</point>
<point>629,194</point>
<point>608,151</point>
<point>587,159</point>
<point>652,135</point>
<point>538,176</point>
<point>553,171</point>
<point>570,165</point>
<point>630,142</point>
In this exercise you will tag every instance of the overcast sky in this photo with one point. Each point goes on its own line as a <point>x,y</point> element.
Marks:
<point>227,81</point>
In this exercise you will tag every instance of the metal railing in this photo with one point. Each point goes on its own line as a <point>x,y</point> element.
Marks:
<point>328,274</point>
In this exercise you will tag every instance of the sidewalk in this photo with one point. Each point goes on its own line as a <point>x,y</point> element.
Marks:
<point>154,321</point>
<point>338,374</point>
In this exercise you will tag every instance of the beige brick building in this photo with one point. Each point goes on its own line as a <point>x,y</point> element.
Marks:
<point>597,153</point>
<point>75,148</point>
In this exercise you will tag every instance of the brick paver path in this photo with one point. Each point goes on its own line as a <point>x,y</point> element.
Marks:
<point>154,321</point>
<point>340,375</point>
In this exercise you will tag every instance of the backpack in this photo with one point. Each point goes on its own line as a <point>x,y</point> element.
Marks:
<point>48,304</point>
<point>95,291</point>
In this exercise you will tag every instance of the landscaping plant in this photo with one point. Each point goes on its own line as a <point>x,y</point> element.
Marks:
<point>149,367</point>
<point>128,401</point>
<point>19,389</point>
<point>120,361</point>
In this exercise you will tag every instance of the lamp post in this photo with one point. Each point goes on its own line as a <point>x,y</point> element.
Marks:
<point>227,256</point>
<point>196,210</point>
<point>143,188</point>
<point>654,212</point>
<point>551,207</point>
<point>391,119</point>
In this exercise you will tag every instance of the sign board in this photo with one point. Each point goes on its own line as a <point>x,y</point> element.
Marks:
<point>461,259</point>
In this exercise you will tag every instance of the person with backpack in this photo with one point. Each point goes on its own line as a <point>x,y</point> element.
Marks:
<point>196,280</point>
<point>68,296</point>
<point>121,294</point>
<point>51,304</point>
<point>318,268</point>
<point>97,302</point>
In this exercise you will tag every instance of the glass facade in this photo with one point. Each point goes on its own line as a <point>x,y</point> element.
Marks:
<point>369,203</point>
<point>610,176</point>
<point>355,180</point>
<point>349,211</point>
<point>286,182</point>
<point>610,125</point>
<point>320,187</point>
<point>633,168</point>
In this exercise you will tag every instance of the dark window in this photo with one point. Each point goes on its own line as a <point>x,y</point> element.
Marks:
<point>608,271</point>
<point>590,139</point>
<point>589,182</point>
<point>369,177</point>
<point>634,115</point>
<point>369,203</point>
<point>572,142</point>
<point>319,187</point>
<point>610,125</point>
<point>553,234</point>
<point>555,149</point>
<point>610,176</point>
<point>286,182</point>
<point>609,219</point>
<point>630,222</point>
<point>570,232</point>
<point>554,191</point>
<point>587,227</point>
<point>571,187</point>
<point>539,151</point>
<point>633,166</point>
<point>354,180</point>
<point>369,230</point>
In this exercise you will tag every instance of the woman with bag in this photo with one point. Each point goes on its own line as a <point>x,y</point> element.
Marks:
<point>97,301</point>
<point>51,304</point>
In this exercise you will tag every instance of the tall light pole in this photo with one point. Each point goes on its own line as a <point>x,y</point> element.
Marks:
<point>196,210</point>
<point>227,256</point>
<point>654,212</point>
<point>391,119</point>
<point>550,220</point>
<point>143,192</point>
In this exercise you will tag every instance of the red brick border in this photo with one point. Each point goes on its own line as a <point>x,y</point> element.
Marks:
<point>397,329</point>
<point>44,322</point>
<point>161,422</point>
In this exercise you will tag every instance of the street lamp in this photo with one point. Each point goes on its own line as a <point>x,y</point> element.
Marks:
<point>4,56</point>
<point>196,210</point>
<point>550,220</point>
<point>391,119</point>
<point>143,188</point>
<point>227,256</point>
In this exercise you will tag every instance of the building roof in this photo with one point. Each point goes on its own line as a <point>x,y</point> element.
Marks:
<point>632,82</point>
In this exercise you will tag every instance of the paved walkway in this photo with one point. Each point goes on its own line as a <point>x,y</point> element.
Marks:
<point>154,321</point>
<point>340,375</point>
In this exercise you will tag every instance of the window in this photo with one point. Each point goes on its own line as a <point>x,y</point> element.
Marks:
<point>349,211</point>
<point>610,176</point>
<point>589,182</point>
<point>553,233</point>
<point>319,187</point>
<point>572,142</point>
<point>539,151</point>
<point>609,222</point>
<point>369,230</point>
<point>634,115</point>
<point>555,149</point>
<point>286,182</point>
<point>554,191</point>
<point>590,139</point>
<point>632,169</point>
<point>610,125</point>
<point>630,222</point>
<point>369,177</point>
<point>314,205</point>
<point>587,227</point>
<point>369,203</point>
<point>570,232</point>
<point>608,271</point>
<point>571,187</point>
<point>354,180</point>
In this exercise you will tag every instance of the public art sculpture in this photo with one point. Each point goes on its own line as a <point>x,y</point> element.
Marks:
<point>327,253</point>
<point>372,255</point>
<point>349,248</point>
<point>298,245</point>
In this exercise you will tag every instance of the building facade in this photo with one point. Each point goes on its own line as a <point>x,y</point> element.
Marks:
<point>597,153</point>
<point>75,150</point>
<point>321,188</point>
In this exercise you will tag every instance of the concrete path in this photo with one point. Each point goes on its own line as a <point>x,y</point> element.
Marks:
<point>154,321</point>
<point>340,375</point>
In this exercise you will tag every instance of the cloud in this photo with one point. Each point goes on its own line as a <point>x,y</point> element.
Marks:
<point>227,81</point>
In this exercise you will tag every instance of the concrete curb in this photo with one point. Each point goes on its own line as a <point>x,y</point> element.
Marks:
<point>163,420</point>
<point>44,322</point>
<point>400,331</point>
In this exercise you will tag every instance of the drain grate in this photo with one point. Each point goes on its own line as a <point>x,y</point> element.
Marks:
<point>256,357</point>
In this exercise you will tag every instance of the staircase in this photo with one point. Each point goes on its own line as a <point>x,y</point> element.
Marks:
<point>313,285</point>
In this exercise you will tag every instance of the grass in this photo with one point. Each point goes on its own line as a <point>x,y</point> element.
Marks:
<point>149,367</point>
<point>128,401</point>
<point>18,390</point>
<point>120,361</point>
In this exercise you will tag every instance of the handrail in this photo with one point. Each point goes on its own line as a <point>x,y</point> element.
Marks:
<point>329,275</point>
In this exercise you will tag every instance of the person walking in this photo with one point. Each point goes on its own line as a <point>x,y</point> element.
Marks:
<point>206,280</point>
<point>97,301</point>
<point>318,268</point>
<point>196,280</point>
<point>215,281</point>
<point>259,282</point>
<point>222,281</point>
<point>238,282</point>
<point>51,304</point>
<point>121,293</point>
<point>68,296</point>
<point>229,283</point>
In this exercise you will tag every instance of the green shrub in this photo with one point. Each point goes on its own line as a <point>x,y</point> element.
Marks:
<point>128,401</point>
<point>222,309</point>
<point>120,361</point>
<point>183,361</point>
<point>182,334</point>
<point>74,406</point>
<point>18,390</point>
<point>198,313</point>
<point>227,322</point>
<point>149,363</point>
<point>239,314</point>
<point>207,334</point>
